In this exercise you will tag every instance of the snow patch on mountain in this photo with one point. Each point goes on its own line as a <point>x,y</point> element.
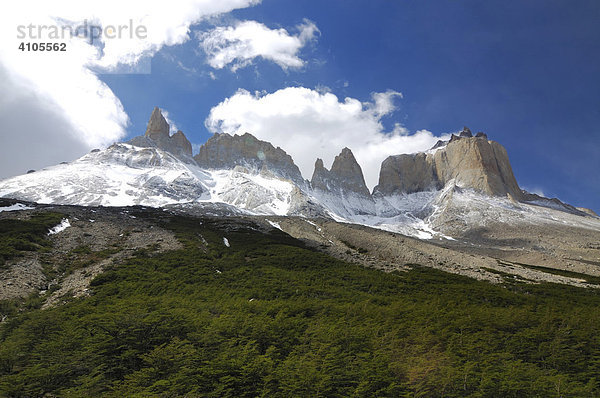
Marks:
<point>122,175</point>
<point>64,224</point>
<point>125,174</point>
<point>254,192</point>
<point>16,207</point>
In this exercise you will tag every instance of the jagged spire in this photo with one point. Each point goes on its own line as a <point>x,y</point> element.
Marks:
<point>158,132</point>
<point>466,132</point>
<point>345,175</point>
<point>157,125</point>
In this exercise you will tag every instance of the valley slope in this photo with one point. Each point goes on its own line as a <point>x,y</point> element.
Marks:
<point>460,195</point>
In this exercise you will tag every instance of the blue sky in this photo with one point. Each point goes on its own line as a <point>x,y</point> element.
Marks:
<point>525,72</point>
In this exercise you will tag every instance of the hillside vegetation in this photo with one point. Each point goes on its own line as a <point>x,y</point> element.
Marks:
<point>20,236</point>
<point>269,317</point>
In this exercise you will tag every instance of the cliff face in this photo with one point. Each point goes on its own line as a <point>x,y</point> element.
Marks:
<point>223,151</point>
<point>158,128</point>
<point>157,134</point>
<point>407,174</point>
<point>343,187</point>
<point>180,141</point>
<point>472,162</point>
<point>345,176</point>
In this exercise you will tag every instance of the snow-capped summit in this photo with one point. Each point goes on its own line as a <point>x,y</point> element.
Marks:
<point>454,186</point>
<point>223,151</point>
<point>121,175</point>
<point>342,189</point>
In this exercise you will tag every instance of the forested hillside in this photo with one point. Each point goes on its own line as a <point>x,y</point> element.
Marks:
<point>243,312</point>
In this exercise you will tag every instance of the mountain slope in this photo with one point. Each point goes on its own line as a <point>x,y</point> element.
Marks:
<point>235,308</point>
<point>126,175</point>
<point>433,194</point>
<point>121,175</point>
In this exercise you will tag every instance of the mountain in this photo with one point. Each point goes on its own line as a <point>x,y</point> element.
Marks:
<point>342,189</point>
<point>233,250</point>
<point>470,162</point>
<point>121,175</point>
<point>156,170</point>
<point>445,192</point>
<point>223,151</point>
<point>158,135</point>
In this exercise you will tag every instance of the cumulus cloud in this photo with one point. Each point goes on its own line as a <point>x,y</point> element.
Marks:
<point>28,142</point>
<point>240,44</point>
<point>310,123</point>
<point>59,92</point>
<point>383,103</point>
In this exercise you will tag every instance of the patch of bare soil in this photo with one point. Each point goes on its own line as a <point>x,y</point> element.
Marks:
<point>476,259</point>
<point>97,239</point>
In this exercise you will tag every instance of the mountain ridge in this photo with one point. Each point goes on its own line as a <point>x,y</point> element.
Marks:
<point>414,193</point>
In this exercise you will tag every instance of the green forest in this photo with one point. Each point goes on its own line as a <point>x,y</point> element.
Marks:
<point>269,317</point>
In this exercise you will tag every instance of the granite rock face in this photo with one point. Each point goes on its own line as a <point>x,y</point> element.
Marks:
<point>407,173</point>
<point>471,162</point>
<point>345,175</point>
<point>223,151</point>
<point>158,128</point>
<point>343,187</point>
<point>180,142</point>
<point>157,134</point>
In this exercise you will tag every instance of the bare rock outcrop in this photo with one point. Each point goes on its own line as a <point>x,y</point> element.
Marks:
<point>588,211</point>
<point>223,151</point>
<point>158,128</point>
<point>466,132</point>
<point>180,141</point>
<point>407,173</point>
<point>471,162</point>
<point>345,175</point>
<point>157,135</point>
<point>344,185</point>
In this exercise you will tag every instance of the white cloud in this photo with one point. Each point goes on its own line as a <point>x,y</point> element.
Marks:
<point>62,89</point>
<point>28,142</point>
<point>309,124</point>
<point>240,44</point>
<point>383,103</point>
<point>172,126</point>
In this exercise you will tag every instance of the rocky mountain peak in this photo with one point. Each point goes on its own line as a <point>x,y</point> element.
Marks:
<point>345,175</point>
<point>470,162</point>
<point>157,128</point>
<point>319,165</point>
<point>223,151</point>
<point>157,135</point>
<point>180,141</point>
<point>407,173</point>
<point>466,132</point>
<point>343,187</point>
<point>345,163</point>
